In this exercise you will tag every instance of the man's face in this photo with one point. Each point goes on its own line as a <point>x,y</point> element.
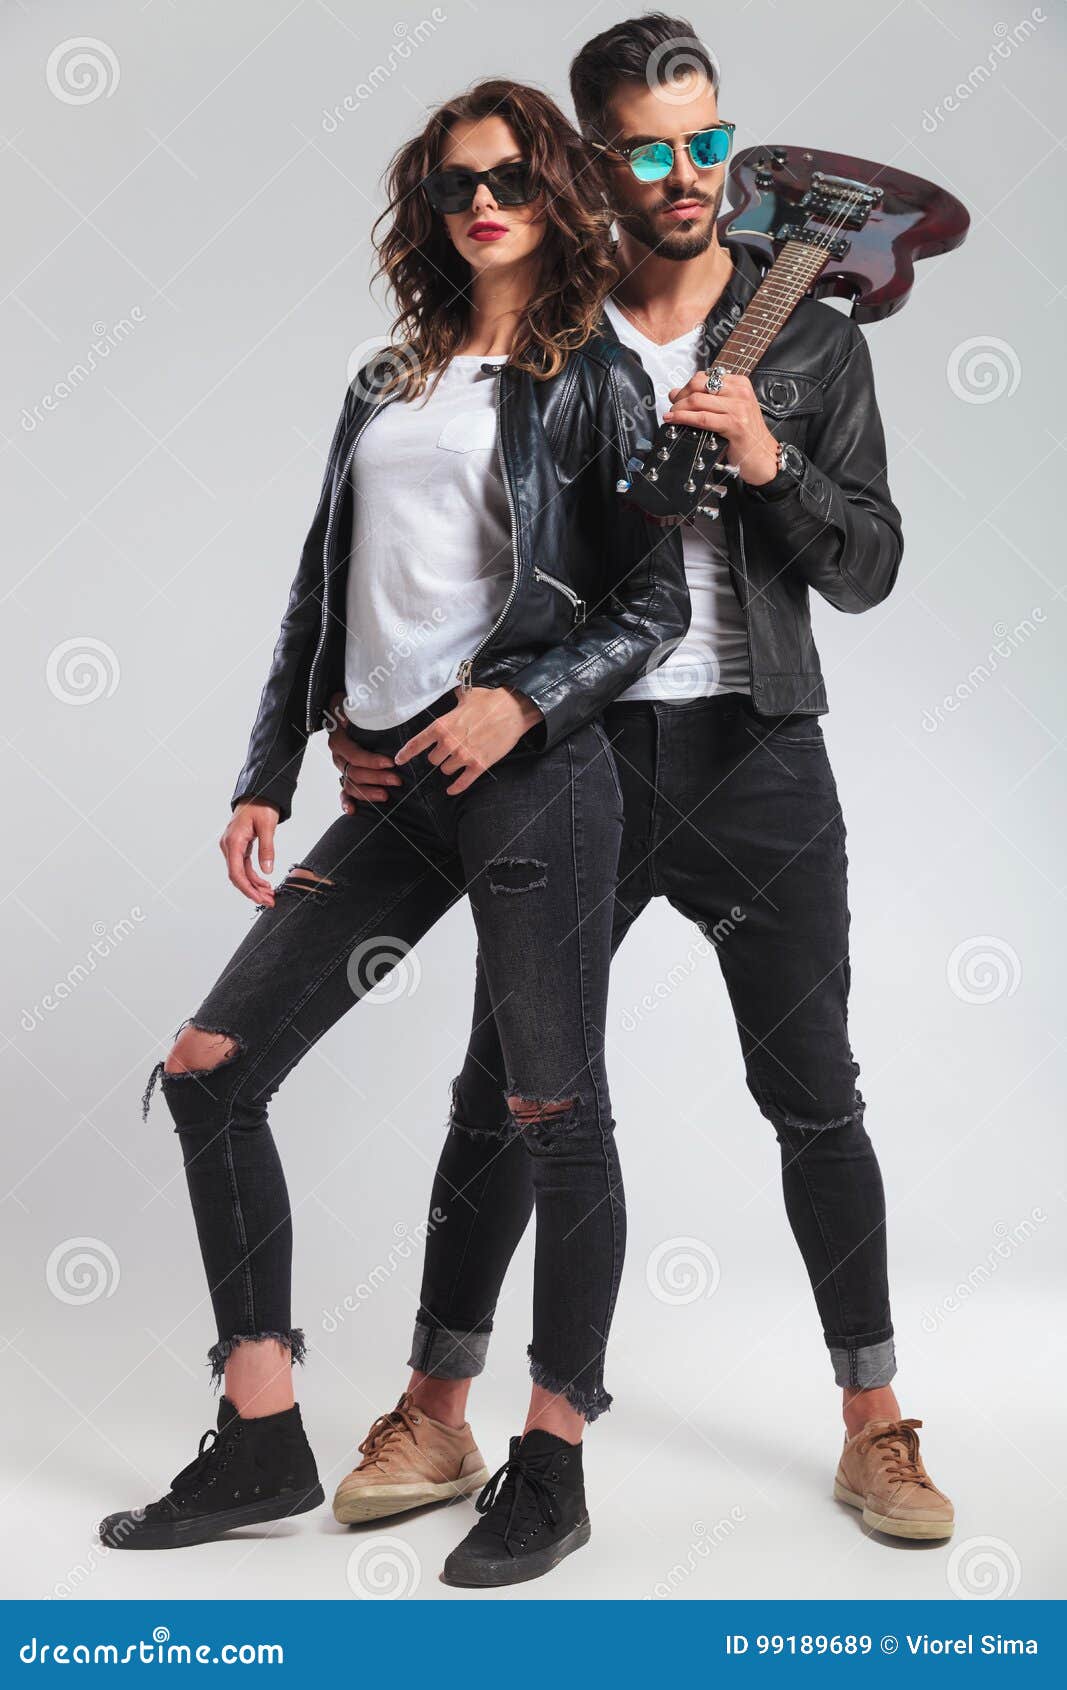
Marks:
<point>675,217</point>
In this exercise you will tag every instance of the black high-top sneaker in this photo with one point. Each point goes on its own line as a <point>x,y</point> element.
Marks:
<point>533,1515</point>
<point>251,1471</point>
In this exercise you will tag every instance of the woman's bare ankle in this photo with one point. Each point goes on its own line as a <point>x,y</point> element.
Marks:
<point>444,1400</point>
<point>551,1413</point>
<point>857,1407</point>
<point>259,1378</point>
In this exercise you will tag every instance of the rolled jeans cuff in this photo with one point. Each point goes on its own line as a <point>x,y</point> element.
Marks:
<point>863,1367</point>
<point>448,1355</point>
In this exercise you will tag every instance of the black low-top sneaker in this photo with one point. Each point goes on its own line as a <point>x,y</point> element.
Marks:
<point>251,1471</point>
<point>533,1515</point>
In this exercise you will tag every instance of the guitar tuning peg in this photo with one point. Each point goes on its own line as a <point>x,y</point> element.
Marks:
<point>728,469</point>
<point>710,511</point>
<point>623,486</point>
<point>652,474</point>
<point>691,487</point>
<point>663,453</point>
<point>672,432</point>
<point>700,465</point>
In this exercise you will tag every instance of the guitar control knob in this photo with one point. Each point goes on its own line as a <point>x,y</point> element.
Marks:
<point>778,155</point>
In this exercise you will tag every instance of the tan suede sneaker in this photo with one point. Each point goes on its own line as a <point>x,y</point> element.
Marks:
<point>882,1473</point>
<point>408,1461</point>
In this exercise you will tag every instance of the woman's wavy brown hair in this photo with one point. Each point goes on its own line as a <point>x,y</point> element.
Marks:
<point>428,279</point>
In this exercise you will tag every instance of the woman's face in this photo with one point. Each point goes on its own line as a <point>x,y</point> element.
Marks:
<point>490,236</point>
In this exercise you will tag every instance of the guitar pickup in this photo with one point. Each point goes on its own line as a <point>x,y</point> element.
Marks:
<point>837,247</point>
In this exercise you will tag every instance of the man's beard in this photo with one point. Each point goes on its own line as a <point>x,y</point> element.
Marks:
<point>680,244</point>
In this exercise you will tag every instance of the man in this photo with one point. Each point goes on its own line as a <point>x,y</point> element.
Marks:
<point>731,809</point>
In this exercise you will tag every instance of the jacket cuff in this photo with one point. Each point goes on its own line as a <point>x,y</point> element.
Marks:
<point>277,792</point>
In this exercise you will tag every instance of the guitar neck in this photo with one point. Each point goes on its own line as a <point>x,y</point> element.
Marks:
<point>779,293</point>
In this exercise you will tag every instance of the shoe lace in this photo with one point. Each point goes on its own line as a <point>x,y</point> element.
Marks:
<point>519,1496</point>
<point>388,1431</point>
<point>898,1449</point>
<point>212,1456</point>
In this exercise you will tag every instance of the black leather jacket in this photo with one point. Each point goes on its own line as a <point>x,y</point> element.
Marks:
<point>837,529</point>
<point>598,592</point>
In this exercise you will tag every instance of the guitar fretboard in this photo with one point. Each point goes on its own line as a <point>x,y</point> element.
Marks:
<point>782,288</point>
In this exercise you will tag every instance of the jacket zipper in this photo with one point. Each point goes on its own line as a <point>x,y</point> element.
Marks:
<point>748,613</point>
<point>463,672</point>
<point>562,587</point>
<point>339,483</point>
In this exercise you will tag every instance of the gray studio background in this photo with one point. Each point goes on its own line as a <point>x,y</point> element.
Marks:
<point>192,192</point>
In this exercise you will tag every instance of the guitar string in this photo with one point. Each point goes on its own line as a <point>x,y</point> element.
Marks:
<point>770,325</point>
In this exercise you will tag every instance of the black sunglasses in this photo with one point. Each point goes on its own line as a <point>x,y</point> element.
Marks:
<point>452,189</point>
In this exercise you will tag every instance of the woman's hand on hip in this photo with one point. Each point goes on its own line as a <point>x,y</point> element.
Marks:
<point>364,774</point>
<point>484,726</point>
<point>251,824</point>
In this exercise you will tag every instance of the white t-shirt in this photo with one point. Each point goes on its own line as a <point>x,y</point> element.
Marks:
<point>431,562</point>
<point>713,657</point>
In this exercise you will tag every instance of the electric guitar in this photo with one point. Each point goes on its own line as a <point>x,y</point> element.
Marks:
<point>818,223</point>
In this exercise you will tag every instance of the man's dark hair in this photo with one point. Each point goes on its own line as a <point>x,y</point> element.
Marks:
<point>653,49</point>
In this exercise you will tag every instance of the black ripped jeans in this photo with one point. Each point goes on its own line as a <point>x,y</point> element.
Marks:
<point>733,818</point>
<point>534,844</point>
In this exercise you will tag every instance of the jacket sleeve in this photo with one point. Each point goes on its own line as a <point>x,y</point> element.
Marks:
<point>838,527</point>
<point>279,733</point>
<point>643,610</point>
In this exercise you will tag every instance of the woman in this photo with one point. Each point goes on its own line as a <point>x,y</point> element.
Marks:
<point>518,572</point>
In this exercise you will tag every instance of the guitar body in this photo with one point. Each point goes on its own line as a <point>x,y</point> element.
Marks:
<point>817,223</point>
<point>914,219</point>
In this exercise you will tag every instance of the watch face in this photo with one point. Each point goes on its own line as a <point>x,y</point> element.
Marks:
<point>792,461</point>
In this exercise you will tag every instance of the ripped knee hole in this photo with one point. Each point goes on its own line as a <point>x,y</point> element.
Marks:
<point>525,1109</point>
<point>197,1051</point>
<point>306,883</point>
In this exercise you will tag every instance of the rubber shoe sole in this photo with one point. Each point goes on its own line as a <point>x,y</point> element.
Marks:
<point>183,1534</point>
<point>471,1574</point>
<point>381,1502</point>
<point>892,1524</point>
